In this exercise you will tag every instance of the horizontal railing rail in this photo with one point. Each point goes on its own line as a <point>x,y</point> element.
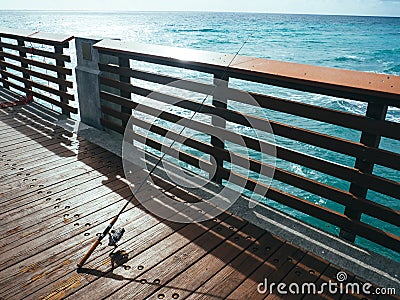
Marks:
<point>125,79</point>
<point>33,64</point>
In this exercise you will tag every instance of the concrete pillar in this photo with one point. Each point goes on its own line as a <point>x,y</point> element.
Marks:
<point>87,79</point>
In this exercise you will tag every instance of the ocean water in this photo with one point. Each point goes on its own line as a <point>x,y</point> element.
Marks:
<point>370,44</point>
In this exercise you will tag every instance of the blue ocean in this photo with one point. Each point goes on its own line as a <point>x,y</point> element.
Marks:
<point>370,44</point>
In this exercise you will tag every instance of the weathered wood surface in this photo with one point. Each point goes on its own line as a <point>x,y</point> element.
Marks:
<point>57,191</point>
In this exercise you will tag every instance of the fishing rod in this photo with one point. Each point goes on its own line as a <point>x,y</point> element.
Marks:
<point>116,235</point>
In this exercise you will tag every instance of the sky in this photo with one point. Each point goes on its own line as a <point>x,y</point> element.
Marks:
<point>340,7</point>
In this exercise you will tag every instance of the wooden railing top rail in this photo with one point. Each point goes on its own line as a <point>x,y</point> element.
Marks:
<point>37,36</point>
<point>362,86</point>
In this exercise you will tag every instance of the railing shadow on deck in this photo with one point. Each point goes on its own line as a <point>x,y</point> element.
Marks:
<point>29,115</point>
<point>34,117</point>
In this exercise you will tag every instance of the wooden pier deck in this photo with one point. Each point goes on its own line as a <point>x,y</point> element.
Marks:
<point>58,191</point>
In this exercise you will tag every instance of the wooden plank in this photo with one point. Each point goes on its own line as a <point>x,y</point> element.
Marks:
<point>61,40</point>
<point>36,36</point>
<point>71,157</point>
<point>307,270</point>
<point>22,125</point>
<point>12,190</point>
<point>373,182</point>
<point>374,111</point>
<point>23,65</point>
<point>329,275</point>
<point>29,182</point>
<point>339,171</point>
<point>8,143</point>
<point>59,147</point>
<point>377,235</point>
<point>182,83</point>
<point>36,74</point>
<point>205,61</point>
<point>3,68</point>
<point>48,193</point>
<point>42,87</point>
<point>314,112</point>
<point>41,243</point>
<point>210,264</point>
<point>14,123</point>
<point>266,191</point>
<point>44,190</point>
<point>67,212</point>
<point>32,62</point>
<point>340,118</point>
<point>20,167</point>
<point>144,231</point>
<point>36,52</point>
<point>174,255</point>
<point>113,126</point>
<point>64,96</point>
<point>145,238</point>
<point>42,97</point>
<point>29,200</point>
<point>27,117</point>
<point>360,86</point>
<point>27,125</point>
<point>382,157</point>
<point>40,147</point>
<point>304,183</point>
<point>39,204</point>
<point>41,155</point>
<point>232,275</point>
<point>275,268</point>
<point>36,281</point>
<point>357,85</point>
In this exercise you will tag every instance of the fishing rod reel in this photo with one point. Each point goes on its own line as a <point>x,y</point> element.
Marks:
<point>114,236</point>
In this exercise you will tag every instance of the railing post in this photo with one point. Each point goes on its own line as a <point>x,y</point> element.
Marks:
<point>114,60</point>
<point>219,100</point>
<point>124,63</point>
<point>62,88</point>
<point>378,112</point>
<point>22,54</point>
<point>87,80</point>
<point>3,68</point>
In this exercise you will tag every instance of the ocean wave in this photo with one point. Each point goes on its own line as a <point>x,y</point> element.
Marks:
<point>387,51</point>
<point>315,42</point>
<point>393,70</point>
<point>393,114</point>
<point>196,30</point>
<point>351,106</point>
<point>349,58</point>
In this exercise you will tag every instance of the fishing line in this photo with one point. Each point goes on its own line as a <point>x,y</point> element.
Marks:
<point>115,236</point>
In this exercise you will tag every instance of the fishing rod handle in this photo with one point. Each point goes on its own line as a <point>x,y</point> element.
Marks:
<point>97,242</point>
<point>87,255</point>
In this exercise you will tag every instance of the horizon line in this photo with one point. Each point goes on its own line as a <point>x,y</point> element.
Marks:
<point>196,11</point>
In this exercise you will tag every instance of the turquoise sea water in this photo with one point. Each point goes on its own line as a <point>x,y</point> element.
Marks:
<point>369,44</point>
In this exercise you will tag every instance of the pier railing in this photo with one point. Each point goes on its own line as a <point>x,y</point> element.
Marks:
<point>33,64</point>
<point>124,80</point>
<point>231,137</point>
